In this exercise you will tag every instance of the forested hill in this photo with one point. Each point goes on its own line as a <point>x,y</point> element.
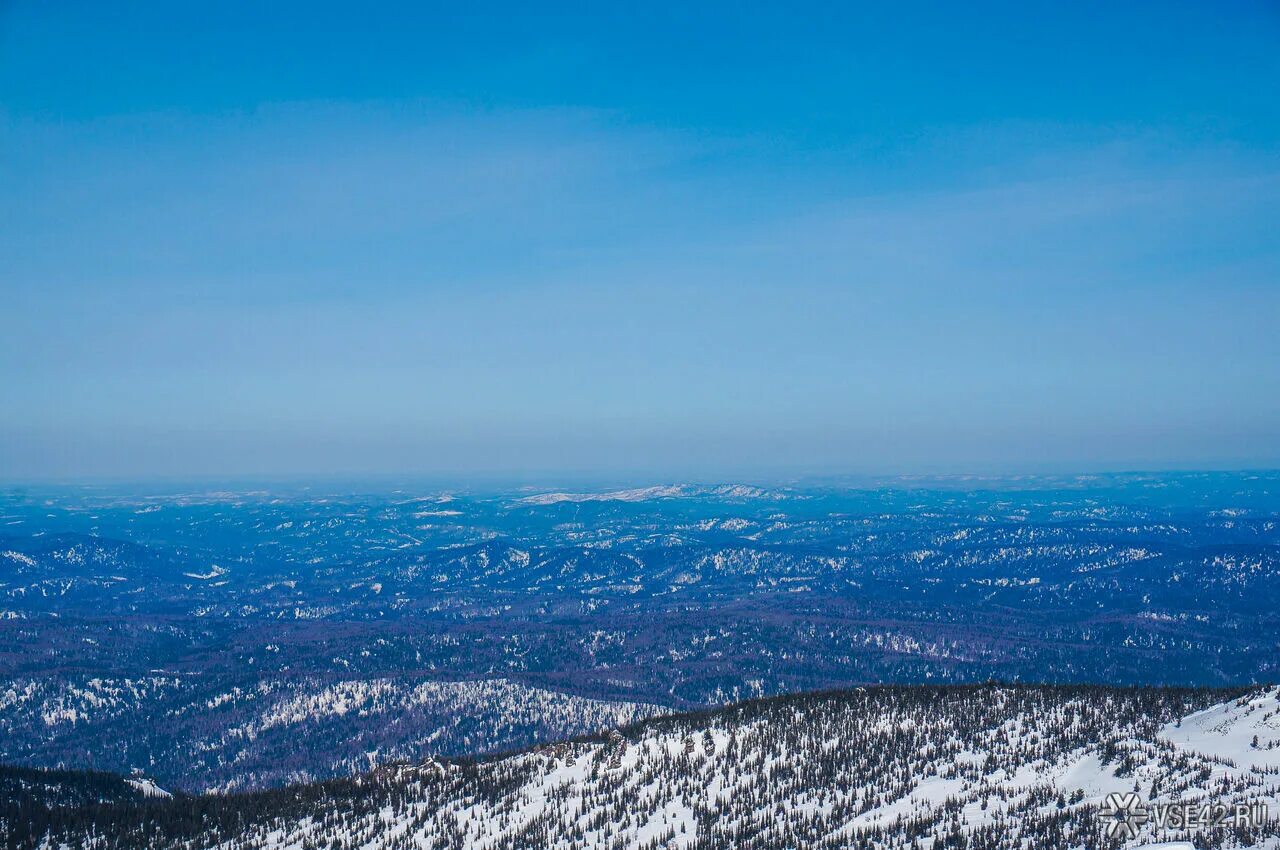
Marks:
<point>249,639</point>
<point>980,767</point>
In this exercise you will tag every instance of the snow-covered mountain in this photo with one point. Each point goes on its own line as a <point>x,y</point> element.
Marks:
<point>981,767</point>
<point>659,491</point>
<point>195,733</point>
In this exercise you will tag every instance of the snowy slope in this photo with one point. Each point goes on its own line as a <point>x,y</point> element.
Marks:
<point>995,768</point>
<point>148,787</point>
<point>193,734</point>
<point>1245,732</point>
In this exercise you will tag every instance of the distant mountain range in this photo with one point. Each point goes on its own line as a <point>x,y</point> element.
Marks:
<point>237,640</point>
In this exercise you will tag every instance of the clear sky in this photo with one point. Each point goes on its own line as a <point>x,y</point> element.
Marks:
<point>671,240</point>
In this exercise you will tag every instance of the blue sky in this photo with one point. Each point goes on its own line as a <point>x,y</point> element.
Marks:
<point>690,240</point>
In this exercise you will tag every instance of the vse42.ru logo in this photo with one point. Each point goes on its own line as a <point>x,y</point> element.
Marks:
<point>1126,814</point>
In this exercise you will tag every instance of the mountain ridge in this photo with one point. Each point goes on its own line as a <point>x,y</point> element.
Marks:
<point>899,766</point>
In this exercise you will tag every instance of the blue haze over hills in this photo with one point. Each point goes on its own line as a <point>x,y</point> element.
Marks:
<point>406,408</point>
<point>233,639</point>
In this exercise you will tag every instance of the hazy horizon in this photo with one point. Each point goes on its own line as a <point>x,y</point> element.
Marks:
<point>658,244</point>
<point>490,484</point>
